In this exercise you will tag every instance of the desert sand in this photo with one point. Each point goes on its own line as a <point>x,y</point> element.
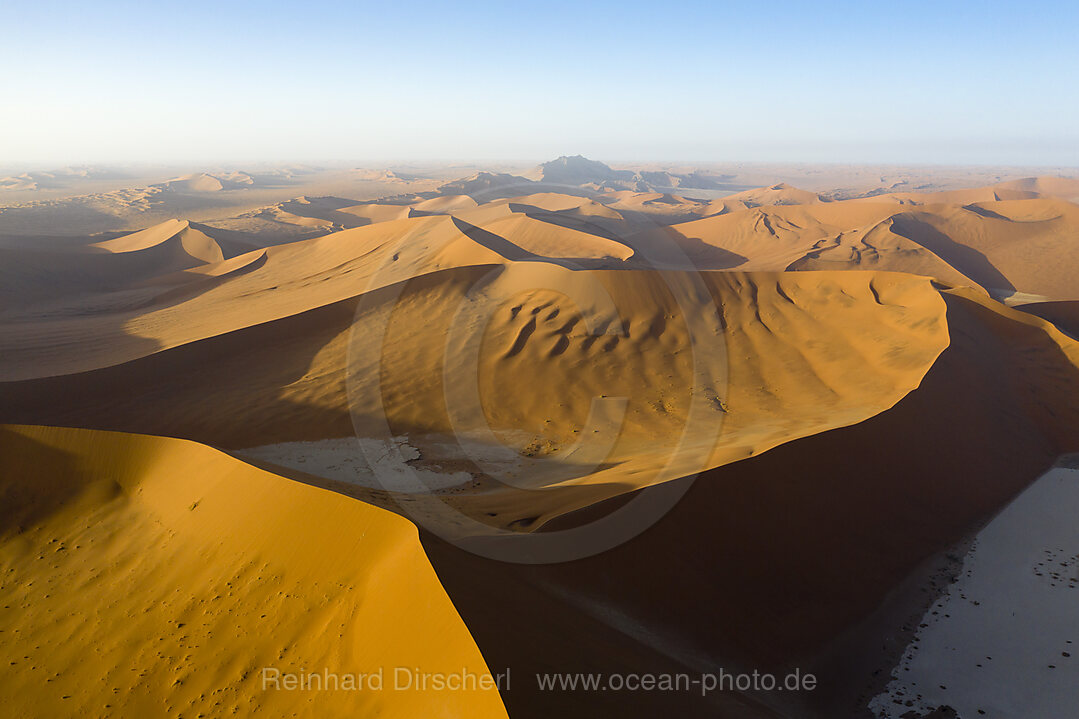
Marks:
<point>845,371</point>
<point>148,576</point>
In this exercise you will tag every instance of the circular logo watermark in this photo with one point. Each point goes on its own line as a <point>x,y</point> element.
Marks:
<point>491,290</point>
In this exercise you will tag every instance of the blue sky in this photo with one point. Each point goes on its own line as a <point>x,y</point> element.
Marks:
<point>913,82</point>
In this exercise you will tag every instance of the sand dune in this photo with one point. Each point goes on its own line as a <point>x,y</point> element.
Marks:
<point>770,237</point>
<point>870,482</point>
<point>23,182</point>
<point>1005,246</point>
<point>200,571</point>
<point>1066,188</point>
<point>195,183</point>
<point>661,208</point>
<point>35,278</point>
<point>1065,315</point>
<point>878,247</point>
<point>285,380</point>
<point>844,374</point>
<point>781,194</point>
<point>294,278</point>
<point>375,212</point>
<point>110,328</point>
<point>765,316</point>
<point>1021,189</point>
<point>782,560</point>
<point>381,175</point>
<point>78,206</point>
<point>175,236</point>
<point>997,245</point>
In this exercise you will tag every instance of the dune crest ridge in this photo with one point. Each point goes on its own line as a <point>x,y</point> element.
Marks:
<point>202,571</point>
<point>842,377</point>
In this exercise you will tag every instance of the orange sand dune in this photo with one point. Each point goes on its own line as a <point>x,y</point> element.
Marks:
<point>1023,189</point>
<point>662,208</point>
<point>202,243</point>
<point>795,368</point>
<point>839,370</point>
<point>42,276</point>
<point>199,182</point>
<point>445,204</point>
<point>1066,188</point>
<point>770,238</point>
<point>878,247</point>
<point>991,193</point>
<point>782,560</point>
<point>376,212</point>
<point>148,576</point>
<point>1004,247</point>
<point>196,244</point>
<point>891,487</point>
<point>781,194</point>
<point>108,329</point>
<point>1027,246</point>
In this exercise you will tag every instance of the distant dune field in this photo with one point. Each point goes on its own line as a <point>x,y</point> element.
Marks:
<point>856,380</point>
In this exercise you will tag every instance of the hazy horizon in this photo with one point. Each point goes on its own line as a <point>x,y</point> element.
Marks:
<point>917,84</point>
<point>489,164</point>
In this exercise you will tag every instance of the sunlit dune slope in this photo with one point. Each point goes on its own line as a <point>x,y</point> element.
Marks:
<point>838,372</point>
<point>73,311</point>
<point>781,194</point>
<point>186,242</point>
<point>111,324</point>
<point>108,328</point>
<point>770,238</point>
<point>878,246</point>
<point>1065,188</point>
<point>1005,247</point>
<point>195,244</point>
<point>780,560</point>
<point>150,577</point>
<point>198,182</point>
<point>797,354</point>
<point>1027,246</point>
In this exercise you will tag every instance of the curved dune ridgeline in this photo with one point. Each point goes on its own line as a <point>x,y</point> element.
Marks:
<point>149,576</point>
<point>781,560</point>
<point>790,366</point>
<point>842,376</point>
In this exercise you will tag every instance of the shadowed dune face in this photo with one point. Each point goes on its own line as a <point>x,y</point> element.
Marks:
<point>794,369</point>
<point>787,366</point>
<point>999,248</point>
<point>836,374</point>
<point>804,352</point>
<point>781,560</point>
<point>1065,315</point>
<point>979,268</point>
